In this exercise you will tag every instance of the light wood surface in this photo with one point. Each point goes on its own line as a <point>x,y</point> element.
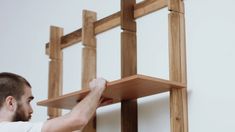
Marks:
<point>176,5</point>
<point>128,54</point>
<point>129,108</point>
<point>88,58</point>
<point>55,42</point>
<point>148,6</point>
<point>112,21</point>
<point>127,15</point>
<point>177,50</point>
<point>128,88</point>
<point>55,68</point>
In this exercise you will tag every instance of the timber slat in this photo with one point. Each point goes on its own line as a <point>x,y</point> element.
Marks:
<point>112,21</point>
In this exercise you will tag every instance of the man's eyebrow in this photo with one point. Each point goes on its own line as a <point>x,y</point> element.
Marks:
<point>31,97</point>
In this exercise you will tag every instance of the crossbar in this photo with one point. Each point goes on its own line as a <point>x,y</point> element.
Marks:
<point>141,9</point>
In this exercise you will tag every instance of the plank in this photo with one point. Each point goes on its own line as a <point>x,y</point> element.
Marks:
<point>54,85</point>
<point>141,9</point>
<point>148,6</point>
<point>129,108</point>
<point>177,54</point>
<point>88,65</point>
<point>107,23</point>
<point>128,53</point>
<point>176,5</point>
<point>55,42</point>
<point>128,88</point>
<point>88,38</point>
<point>55,68</point>
<point>71,38</point>
<point>127,15</point>
<point>88,58</point>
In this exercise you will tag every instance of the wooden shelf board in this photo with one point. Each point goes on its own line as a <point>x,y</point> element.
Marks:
<point>132,87</point>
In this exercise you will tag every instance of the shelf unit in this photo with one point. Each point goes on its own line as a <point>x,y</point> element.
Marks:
<point>131,85</point>
<point>128,88</point>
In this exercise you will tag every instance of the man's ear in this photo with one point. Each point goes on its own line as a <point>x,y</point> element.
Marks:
<point>11,103</point>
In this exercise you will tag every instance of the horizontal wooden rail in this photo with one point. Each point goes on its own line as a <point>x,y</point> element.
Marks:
<point>141,9</point>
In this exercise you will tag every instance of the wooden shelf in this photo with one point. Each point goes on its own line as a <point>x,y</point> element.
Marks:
<point>132,87</point>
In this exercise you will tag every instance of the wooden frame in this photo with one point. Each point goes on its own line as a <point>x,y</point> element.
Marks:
<point>55,69</point>
<point>130,11</point>
<point>88,58</point>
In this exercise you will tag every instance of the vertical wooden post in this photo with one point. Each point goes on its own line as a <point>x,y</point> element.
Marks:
<point>176,5</point>
<point>129,109</point>
<point>55,68</point>
<point>177,54</point>
<point>88,57</point>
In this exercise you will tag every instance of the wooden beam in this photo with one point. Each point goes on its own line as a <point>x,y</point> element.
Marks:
<point>55,42</point>
<point>148,6</point>
<point>129,114</point>
<point>71,38</point>
<point>131,87</point>
<point>89,58</point>
<point>127,15</point>
<point>128,53</point>
<point>176,5</point>
<point>129,108</point>
<point>177,54</point>
<point>54,85</point>
<point>55,68</point>
<point>107,23</point>
<point>114,20</point>
<point>88,35</point>
<point>88,65</point>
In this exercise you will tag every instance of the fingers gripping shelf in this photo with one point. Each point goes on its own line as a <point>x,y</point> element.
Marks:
<point>131,87</point>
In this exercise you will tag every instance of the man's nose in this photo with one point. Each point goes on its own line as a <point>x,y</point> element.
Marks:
<point>30,110</point>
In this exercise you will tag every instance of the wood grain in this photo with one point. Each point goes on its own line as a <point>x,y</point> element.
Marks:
<point>107,23</point>
<point>71,38</point>
<point>148,6</point>
<point>128,88</point>
<point>127,15</point>
<point>128,53</point>
<point>177,54</point>
<point>88,58</point>
<point>88,65</point>
<point>55,68</point>
<point>55,42</point>
<point>129,108</point>
<point>88,38</point>
<point>176,5</point>
<point>54,85</point>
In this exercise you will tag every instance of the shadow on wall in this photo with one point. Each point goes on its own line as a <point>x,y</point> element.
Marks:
<point>153,115</point>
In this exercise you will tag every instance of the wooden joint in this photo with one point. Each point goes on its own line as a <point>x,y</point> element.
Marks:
<point>141,9</point>
<point>55,51</point>
<point>176,5</point>
<point>148,6</point>
<point>127,15</point>
<point>88,29</point>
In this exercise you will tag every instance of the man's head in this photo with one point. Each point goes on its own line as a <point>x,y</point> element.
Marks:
<point>15,97</point>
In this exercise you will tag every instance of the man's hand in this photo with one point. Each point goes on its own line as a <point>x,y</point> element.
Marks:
<point>98,84</point>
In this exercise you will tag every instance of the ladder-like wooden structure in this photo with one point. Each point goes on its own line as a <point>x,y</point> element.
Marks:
<point>119,90</point>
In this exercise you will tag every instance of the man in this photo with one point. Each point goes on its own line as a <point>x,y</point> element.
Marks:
<point>15,108</point>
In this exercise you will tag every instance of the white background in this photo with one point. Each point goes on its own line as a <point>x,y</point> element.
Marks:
<point>210,30</point>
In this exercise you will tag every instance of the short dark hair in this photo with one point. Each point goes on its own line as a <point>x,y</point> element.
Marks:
<point>11,85</point>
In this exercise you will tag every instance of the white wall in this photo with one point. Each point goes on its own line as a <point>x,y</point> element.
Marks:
<point>24,28</point>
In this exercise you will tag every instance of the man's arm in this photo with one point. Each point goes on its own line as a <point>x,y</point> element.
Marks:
<point>81,113</point>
